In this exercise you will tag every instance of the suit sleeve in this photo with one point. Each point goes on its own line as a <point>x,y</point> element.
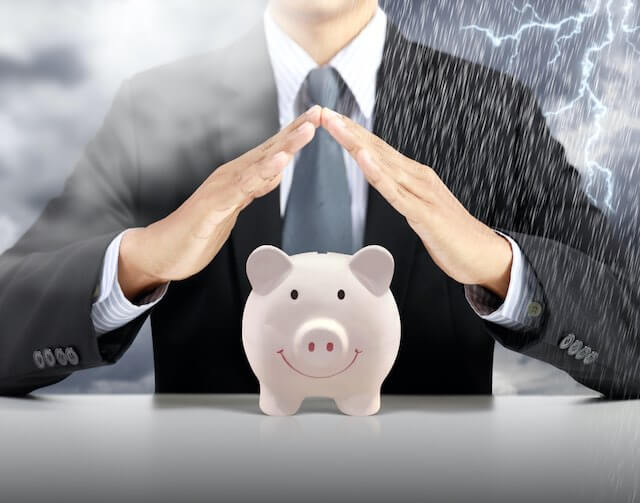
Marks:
<point>588,303</point>
<point>509,312</point>
<point>49,277</point>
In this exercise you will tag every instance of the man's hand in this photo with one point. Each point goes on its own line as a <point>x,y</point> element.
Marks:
<point>184,242</point>
<point>462,246</point>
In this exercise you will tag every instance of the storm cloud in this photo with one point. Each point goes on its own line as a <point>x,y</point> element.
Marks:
<point>61,65</point>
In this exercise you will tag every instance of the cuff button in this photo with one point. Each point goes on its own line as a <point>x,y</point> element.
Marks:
<point>534,309</point>
<point>61,357</point>
<point>567,341</point>
<point>72,356</point>
<point>590,358</point>
<point>574,348</point>
<point>49,359</point>
<point>38,359</point>
<point>583,353</point>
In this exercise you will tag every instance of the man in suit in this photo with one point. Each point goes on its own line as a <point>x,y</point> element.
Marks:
<point>447,164</point>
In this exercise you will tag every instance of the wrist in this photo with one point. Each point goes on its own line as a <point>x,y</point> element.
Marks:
<point>500,260</point>
<point>133,277</point>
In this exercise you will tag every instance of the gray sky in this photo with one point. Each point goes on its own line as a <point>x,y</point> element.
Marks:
<point>60,67</point>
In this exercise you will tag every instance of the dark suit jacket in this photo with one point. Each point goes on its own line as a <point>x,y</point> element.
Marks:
<point>170,127</point>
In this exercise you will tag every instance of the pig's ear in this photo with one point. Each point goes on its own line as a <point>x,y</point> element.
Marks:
<point>267,267</point>
<point>373,266</point>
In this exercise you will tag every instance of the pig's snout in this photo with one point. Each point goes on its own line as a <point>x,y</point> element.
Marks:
<point>320,342</point>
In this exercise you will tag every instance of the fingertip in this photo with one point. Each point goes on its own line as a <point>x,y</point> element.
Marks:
<point>324,118</point>
<point>313,110</point>
<point>328,113</point>
<point>314,115</point>
<point>330,118</point>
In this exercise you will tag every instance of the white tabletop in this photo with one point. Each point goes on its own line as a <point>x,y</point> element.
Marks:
<point>221,448</point>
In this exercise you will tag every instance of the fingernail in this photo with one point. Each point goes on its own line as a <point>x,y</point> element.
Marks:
<point>311,111</point>
<point>334,117</point>
<point>329,113</point>
<point>280,156</point>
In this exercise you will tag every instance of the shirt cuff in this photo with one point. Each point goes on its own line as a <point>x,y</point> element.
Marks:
<point>523,306</point>
<point>111,309</point>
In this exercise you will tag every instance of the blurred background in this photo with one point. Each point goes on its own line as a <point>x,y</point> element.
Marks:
<point>61,63</point>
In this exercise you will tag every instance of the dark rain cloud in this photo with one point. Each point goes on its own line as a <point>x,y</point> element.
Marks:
<point>60,64</point>
<point>437,23</point>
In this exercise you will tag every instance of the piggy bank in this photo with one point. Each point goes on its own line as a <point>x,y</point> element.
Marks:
<point>322,325</point>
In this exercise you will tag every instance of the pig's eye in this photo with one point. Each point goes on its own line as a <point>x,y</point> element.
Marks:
<point>294,294</point>
<point>341,294</point>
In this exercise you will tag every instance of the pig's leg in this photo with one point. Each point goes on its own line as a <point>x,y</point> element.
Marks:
<point>278,403</point>
<point>361,404</point>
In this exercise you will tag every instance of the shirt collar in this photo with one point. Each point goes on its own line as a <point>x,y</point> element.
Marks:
<point>357,63</point>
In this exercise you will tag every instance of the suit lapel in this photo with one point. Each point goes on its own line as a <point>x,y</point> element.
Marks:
<point>249,118</point>
<point>384,225</point>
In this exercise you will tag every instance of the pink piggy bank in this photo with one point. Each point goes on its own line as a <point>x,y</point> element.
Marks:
<point>320,324</point>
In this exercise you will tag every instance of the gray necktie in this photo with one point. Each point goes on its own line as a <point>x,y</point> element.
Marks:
<point>318,211</point>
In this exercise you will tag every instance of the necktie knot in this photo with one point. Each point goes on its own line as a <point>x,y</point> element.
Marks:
<point>324,87</point>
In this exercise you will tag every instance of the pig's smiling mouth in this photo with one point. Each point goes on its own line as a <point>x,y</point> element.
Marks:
<point>357,353</point>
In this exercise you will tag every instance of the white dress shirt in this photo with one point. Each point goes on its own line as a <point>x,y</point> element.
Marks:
<point>357,64</point>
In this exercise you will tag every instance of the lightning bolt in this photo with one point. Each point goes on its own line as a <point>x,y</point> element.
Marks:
<point>564,30</point>
<point>626,28</point>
